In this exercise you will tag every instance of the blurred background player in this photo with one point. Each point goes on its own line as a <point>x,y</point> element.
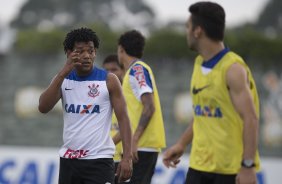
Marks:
<point>224,132</point>
<point>111,64</point>
<point>143,106</point>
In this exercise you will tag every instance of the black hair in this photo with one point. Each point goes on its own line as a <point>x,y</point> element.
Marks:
<point>210,17</point>
<point>112,58</point>
<point>80,35</point>
<point>133,43</point>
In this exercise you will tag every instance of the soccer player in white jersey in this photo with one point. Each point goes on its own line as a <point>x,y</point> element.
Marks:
<point>88,95</point>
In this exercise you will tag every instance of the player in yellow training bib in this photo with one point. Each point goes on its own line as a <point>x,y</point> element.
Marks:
<point>224,131</point>
<point>143,105</point>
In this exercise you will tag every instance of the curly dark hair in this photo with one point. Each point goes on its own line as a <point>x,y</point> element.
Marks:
<point>80,35</point>
<point>133,43</point>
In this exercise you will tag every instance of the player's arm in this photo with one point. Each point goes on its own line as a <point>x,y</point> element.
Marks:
<point>116,138</point>
<point>52,94</point>
<point>119,105</point>
<point>147,100</point>
<point>171,156</point>
<point>187,136</point>
<point>239,90</point>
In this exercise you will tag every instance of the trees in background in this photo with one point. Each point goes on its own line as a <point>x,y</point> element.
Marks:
<point>49,14</point>
<point>164,42</point>
<point>270,19</point>
<point>42,27</point>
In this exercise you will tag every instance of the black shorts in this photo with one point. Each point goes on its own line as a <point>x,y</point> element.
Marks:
<point>116,166</point>
<point>200,177</point>
<point>143,170</point>
<point>86,171</point>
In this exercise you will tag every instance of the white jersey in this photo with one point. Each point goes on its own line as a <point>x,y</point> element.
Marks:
<point>87,116</point>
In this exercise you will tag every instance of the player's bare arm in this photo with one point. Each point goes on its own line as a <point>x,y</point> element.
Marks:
<point>239,89</point>
<point>116,138</point>
<point>171,156</point>
<point>124,170</point>
<point>147,100</point>
<point>52,94</point>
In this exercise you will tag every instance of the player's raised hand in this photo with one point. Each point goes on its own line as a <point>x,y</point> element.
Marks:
<point>73,60</point>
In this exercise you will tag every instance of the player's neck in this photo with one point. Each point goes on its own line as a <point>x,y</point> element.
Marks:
<point>128,62</point>
<point>210,49</point>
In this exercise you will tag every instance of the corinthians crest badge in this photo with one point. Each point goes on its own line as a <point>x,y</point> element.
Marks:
<point>93,92</point>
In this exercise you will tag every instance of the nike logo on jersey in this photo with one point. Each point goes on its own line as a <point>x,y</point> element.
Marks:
<point>68,89</point>
<point>197,90</point>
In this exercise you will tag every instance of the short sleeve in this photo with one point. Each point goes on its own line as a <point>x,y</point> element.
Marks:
<point>140,80</point>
